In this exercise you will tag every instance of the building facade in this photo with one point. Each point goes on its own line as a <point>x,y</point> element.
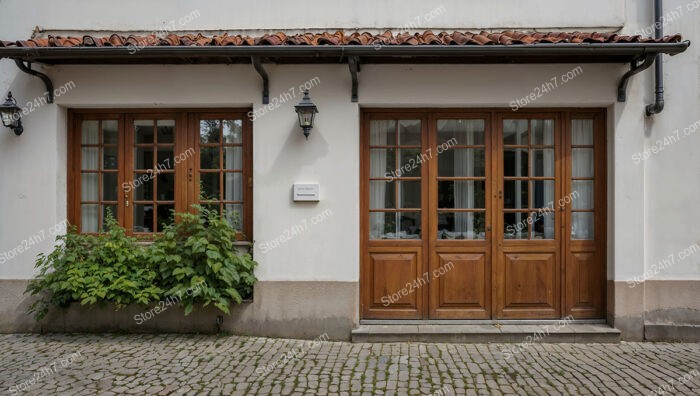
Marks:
<point>507,183</point>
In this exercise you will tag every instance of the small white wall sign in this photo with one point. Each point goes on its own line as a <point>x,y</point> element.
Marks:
<point>306,192</point>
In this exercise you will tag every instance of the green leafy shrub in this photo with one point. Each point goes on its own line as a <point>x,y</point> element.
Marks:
<point>114,268</point>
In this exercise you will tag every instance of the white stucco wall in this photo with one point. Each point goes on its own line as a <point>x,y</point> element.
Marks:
<point>651,208</point>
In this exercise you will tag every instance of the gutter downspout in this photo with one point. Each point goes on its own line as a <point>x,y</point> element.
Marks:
<point>658,107</point>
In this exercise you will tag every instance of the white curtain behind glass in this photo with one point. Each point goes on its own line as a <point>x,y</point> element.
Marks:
<point>581,165</point>
<point>548,169</point>
<point>464,190</point>
<point>377,164</point>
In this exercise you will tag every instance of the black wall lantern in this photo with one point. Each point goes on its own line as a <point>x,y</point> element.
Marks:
<point>306,110</point>
<point>11,115</point>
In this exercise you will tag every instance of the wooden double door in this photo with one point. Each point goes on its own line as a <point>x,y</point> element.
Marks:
<point>489,214</point>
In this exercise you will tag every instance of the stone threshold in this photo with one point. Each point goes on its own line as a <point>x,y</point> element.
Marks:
<point>486,333</point>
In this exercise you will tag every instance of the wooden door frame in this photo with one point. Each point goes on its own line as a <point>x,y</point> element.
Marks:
<point>562,188</point>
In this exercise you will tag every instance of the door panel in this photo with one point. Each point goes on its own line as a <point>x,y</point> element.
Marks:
<point>530,285</point>
<point>459,290</point>
<point>395,293</point>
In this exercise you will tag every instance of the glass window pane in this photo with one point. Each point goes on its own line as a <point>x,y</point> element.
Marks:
<point>542,132</point>
<point>409,132</point>
<point>515,162</point>
<point>166,159</point>
<point>233,131</point>
<point>382,133</point>
<point>381,195</point>
<point>209,131</point>
<point>110,186</point>
<point>461,225</point>
<point>90,133</point>
<point>166,131</point>
<point>382,163</point>
<point>461,194</point>
<point>543,162</point>
<point>410,163</point>
<point>582,162</point>
<point>382,225</point>
<point>89,158</point>
<point>144,131</point>
<point>110,131</point>
<point>234,215</point>
<point>165,216</point>
<point>143,186</point>
<point>515,132</point>
<point>582,225</point>
<point>109,158</point>
<point>166,187</point>
<point>409,191</point>
<point>582,194</point>
<point>233,158</point>
<point>515,194</point>
<point>89,187</point>
<point>143,218</point>
<point>458,162</point>
<point>409,225</point>
<point>461,132</point>
<point>209,186</point>
<point>515,225</point>
<point>209,158</point>
<point>143,158</point>
<point>542,225</point>
<point>233,190</point>
<point>582,132</point>
<point>542,193</point>
<point>88,217</point>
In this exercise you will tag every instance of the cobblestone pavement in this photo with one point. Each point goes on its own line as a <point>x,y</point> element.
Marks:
<point>200,365</point>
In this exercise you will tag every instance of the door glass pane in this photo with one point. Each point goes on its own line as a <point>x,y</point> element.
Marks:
<point>542,193</point>
<point>234,215</point>
<point>209,158</point>
<point>233,131</point>
<point>165,216</point>
<point>409,132</point>
<point>233,190</point>
<point>109,158</point>
<point>89,159</point>
<point>209,131</point>
<point>89,187</point>
<point>515,132</point>
<point>409,191</point>
<point>458,162</point>
<point>582,225</point>
<point>110,131</point>
<point>382,133</point>
<point>460,132</point>
<point>166,131</point>
<point>143,218</point>
<point>461,225</point>
<point>515,194</point>
<point>109,186</point>
<point>582,194</point>
<point>382,225</point>
<point>381,195</point>
<point>143,186</point>
<point>409,225</point>
<point>543,162</point>
<point>143,158</point>
<point>165,158</point>
<point>542,132</point>
<point>515,162</point>
<point>382,163</point>
<point>233,158</point>
<point>542,225</point>
<point>108,210</point>
<point>515,225</point>
<point>411,161</point>
<point>88,217</point>
<point>461,194</point>
<point>582,132</point>
<point>90,133</point>
<point>582,162</point>
<point>144,131</point>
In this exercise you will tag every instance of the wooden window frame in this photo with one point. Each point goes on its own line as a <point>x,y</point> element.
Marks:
<point>186,137</point>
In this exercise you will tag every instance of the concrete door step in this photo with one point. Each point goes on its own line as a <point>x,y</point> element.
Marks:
<point>482,333</point>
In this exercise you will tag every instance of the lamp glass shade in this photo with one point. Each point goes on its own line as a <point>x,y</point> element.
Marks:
<point>306,118</point>
<point>9,111</point>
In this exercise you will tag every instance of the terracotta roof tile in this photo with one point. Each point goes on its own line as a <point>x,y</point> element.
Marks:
<point>340,38</point>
